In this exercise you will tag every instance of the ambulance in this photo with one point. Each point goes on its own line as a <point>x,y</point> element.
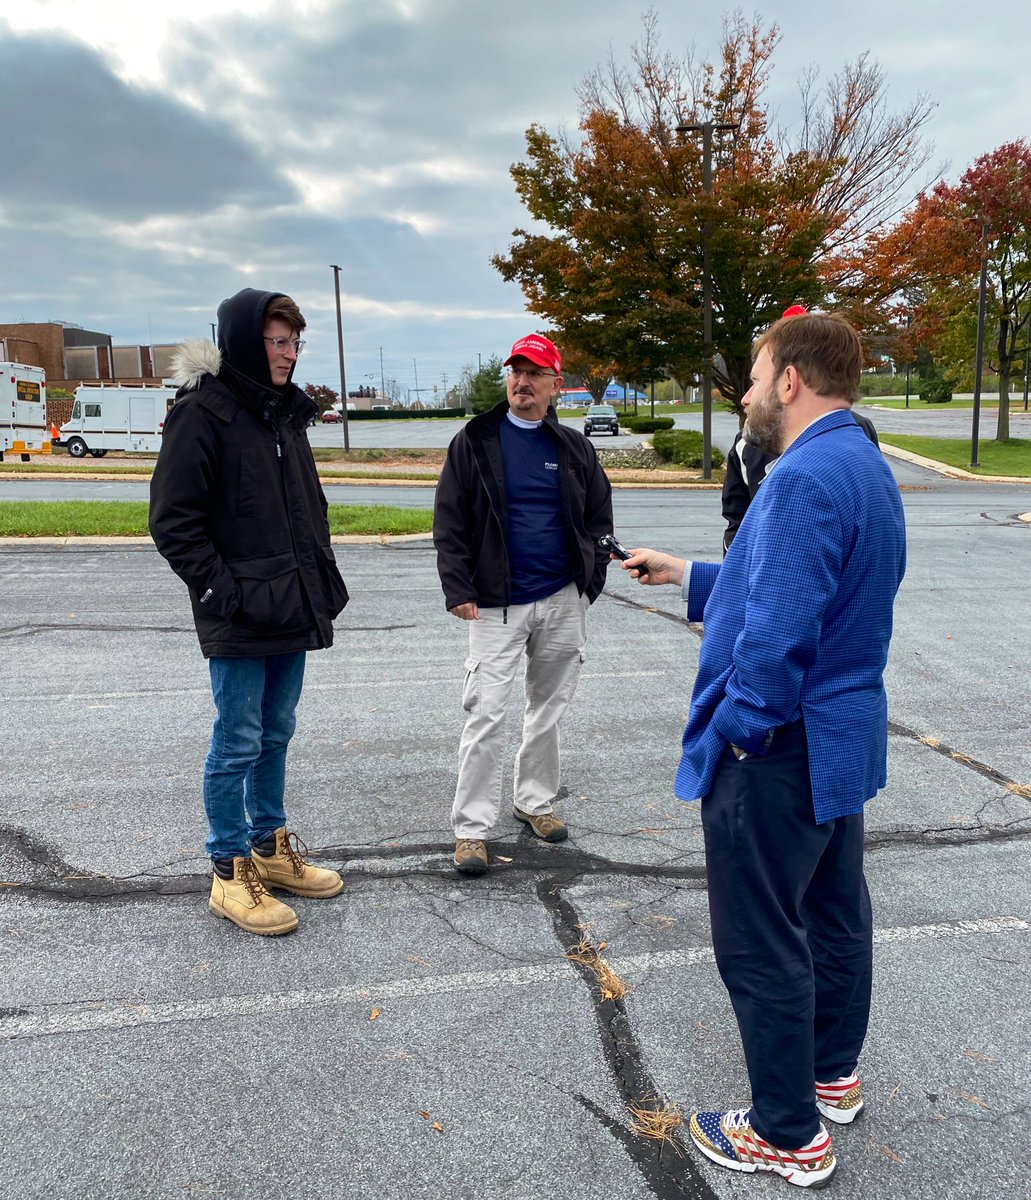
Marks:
<point>110,416</point>
<point>23,411</point>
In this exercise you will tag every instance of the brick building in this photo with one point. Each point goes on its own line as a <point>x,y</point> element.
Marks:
<point>71,355</point>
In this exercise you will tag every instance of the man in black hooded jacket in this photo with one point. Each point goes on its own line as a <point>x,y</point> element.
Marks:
<point>237,509</point>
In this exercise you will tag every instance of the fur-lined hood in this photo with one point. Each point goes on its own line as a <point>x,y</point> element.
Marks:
<point>194,359</point>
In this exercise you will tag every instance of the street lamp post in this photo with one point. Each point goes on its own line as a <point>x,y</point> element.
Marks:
<point>979,357</point>
<point>340,346</point>
<point>909,364</point>
<point>706,129</point>
<point>1027,365</point>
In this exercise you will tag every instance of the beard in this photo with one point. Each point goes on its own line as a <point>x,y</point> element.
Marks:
<point>764,425</point>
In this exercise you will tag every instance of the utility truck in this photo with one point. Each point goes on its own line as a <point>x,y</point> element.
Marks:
<point>23,411</point>
<point>110,416</point>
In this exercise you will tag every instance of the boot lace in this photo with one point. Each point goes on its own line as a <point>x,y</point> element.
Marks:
<point>251,880</point>
<point>295,850</point>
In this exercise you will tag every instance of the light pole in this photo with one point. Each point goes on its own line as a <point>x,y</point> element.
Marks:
<point>340,346</point>
<point>909,355</point>
<point>706,129</point>
<point>1027,364</point>
<point>979,357</point>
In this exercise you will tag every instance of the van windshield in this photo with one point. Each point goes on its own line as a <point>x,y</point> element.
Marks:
<point>75,411</point>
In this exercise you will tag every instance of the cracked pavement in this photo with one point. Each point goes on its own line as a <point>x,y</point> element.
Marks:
<point>148,1050</point>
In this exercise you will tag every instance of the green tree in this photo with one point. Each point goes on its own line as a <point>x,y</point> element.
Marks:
<point>486,387</point>
<point>618,267</point>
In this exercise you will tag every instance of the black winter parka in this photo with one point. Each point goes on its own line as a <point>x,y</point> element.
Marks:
<point>470,515</point>
<point>238,511</point>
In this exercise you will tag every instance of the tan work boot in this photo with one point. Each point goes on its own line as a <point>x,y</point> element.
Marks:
<point>286,869</point>
<point>244,901</point>
<point>546,826</point>
<point>470,856</point>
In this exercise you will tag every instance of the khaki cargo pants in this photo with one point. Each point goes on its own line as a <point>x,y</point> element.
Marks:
<point>552,634</point>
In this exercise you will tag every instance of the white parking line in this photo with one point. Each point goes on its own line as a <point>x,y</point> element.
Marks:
<point>342,685</point>
<point>98,1017</point>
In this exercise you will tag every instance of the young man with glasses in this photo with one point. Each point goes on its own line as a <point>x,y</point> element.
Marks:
<point>237,510</point>
<point>520,506</point>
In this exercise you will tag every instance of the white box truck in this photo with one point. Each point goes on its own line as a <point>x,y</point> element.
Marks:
<point>109,416</point>
<point>23,411</point>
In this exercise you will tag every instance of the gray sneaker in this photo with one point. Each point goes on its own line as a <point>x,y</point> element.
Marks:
<point>545,825</point>
<point>470,856</point>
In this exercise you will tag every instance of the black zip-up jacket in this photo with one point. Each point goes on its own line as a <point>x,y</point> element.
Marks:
<point>747,466</point>
<point>470,515</point>
<point>237,509</point>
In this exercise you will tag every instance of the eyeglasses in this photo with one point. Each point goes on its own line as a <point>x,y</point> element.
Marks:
<point>530,373</point>
<point>281,343</point>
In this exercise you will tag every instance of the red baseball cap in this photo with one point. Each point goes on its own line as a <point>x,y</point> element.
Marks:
<point>796,310</point>
<point>539,350</point>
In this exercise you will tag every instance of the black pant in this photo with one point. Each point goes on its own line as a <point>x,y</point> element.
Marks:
<point>792,931</point>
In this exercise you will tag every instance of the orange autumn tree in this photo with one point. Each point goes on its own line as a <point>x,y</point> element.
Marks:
<point>937,247</point>
<point>617,267</point>
<point>592,374</point>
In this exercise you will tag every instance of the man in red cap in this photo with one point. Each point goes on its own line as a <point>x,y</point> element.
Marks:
<point>520,506</point>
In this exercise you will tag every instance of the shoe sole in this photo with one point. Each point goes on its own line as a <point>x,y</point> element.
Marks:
<point>559,835</point>
<point>840,1116</point>
<point>296,891</point>
<point>470,868</point>
<point>272,931</point>
<point>796,1178</point>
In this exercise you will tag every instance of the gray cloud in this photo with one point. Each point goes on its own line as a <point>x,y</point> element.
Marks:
<point>86,140</point>
<point>279,142</point>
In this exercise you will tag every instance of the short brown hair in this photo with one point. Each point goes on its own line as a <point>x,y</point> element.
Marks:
<point>822,347</point>
<point>282,308</point>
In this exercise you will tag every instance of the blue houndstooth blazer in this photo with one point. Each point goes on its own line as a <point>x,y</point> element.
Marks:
<point>798,618</point>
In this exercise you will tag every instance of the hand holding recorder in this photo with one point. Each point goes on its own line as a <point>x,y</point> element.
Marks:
<point>645,565</point>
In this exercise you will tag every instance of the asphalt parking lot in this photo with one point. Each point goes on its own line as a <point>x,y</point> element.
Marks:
<point>425,1035</point>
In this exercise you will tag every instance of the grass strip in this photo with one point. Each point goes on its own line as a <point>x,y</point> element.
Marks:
<point>425,456</point>
<point>365,476</point>
<point>1012,457</point>
<point>89,467</point>
<point>128,518</point>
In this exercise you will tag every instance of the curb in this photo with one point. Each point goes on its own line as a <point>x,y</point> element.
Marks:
<point>338,539</point>
<point>325,480</point>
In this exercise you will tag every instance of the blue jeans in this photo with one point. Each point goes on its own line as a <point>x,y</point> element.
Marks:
<point>245,771</point>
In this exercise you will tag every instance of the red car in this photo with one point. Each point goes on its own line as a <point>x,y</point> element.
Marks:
<point>329,416</point>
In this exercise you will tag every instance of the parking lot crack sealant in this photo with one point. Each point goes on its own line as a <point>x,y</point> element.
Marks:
<point>671,1175</point>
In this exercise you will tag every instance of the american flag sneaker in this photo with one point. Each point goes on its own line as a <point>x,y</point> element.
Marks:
<point>728,1139</point>
<point>842,1100</point>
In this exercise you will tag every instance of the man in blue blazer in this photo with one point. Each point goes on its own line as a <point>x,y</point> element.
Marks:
<point>787,740</point>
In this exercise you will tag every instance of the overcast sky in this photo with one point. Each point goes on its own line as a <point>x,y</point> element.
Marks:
<point>158,157</point>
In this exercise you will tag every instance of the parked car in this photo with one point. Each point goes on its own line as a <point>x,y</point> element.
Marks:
<point>329,416</point>
<point>601,418</point>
